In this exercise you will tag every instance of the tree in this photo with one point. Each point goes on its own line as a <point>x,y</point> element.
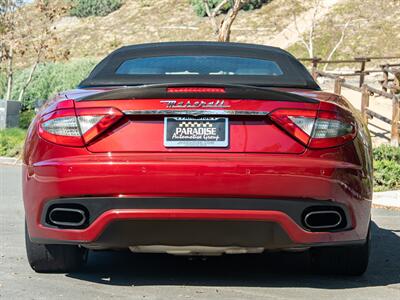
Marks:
<point>8,10</point>
<point>28,34</point>
<point>339,42</point>
<point>222,29</point>
<point>308,39</point>
<point>43,46</point>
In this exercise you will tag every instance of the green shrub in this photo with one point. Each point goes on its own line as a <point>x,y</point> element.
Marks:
<point>386,175</point>
<point>49,79</point>
<point>86,8</point>
<point>198,5</point>
<point>386,152</point>
<point>386,168</point>
<point>11,141</point>
<point>26,118</point>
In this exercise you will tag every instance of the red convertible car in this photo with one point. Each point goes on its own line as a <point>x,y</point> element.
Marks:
<point>198,148</point>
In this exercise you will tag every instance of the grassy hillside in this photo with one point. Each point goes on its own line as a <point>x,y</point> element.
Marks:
<point>374,30</point>
<point>140,21</point>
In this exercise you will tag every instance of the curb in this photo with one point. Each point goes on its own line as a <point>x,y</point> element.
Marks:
<point>390,199</point>
<point>9,161</point>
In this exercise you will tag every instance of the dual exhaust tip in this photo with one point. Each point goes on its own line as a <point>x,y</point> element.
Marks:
<point>68,217</point>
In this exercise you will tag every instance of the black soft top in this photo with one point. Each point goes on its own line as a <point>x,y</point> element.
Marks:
<point>295,74</point>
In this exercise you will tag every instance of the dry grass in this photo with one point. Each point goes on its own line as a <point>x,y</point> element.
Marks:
<point>374,30</point>
<point>143,21</point>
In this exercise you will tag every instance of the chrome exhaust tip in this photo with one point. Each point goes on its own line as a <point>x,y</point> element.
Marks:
<point>67,217</point>
<point>323,219</point>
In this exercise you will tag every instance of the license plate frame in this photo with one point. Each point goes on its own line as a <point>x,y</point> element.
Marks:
<point>213,130</point>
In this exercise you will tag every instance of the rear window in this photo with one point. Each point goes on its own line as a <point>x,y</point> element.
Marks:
<point>199,65</point>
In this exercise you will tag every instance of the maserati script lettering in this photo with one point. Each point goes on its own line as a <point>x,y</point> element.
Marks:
<point>195,104</point>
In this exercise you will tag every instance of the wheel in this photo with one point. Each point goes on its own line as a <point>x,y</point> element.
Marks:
<point>344,260</point>
<point>48,258</point>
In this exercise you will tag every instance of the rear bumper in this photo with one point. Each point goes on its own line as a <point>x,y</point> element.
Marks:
<point>120,228</point>
<point>249,179</point>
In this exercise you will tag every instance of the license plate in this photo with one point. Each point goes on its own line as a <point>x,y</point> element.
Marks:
<point>195,132</point>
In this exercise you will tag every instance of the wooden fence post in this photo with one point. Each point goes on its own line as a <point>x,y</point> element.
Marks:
<point>314,70</point>
<point>394,140</point>
<point>364,102</point>
<point>396,82</point>
<point>362,71</point>
<point>385,77</point>
<point>338,85</point>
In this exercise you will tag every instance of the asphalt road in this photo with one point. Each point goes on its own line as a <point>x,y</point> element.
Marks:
<point>124,275</point>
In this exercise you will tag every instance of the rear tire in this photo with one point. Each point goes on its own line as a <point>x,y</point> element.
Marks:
<point>344,260</point>
<point>48,258</point>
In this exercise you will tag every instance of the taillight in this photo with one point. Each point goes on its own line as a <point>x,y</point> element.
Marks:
<point>78,127</point>
<point>333,129</point>
<point>317,129</point>
<point>61,127</point>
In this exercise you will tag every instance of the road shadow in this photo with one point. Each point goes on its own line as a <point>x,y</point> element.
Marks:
<point>270,270</point>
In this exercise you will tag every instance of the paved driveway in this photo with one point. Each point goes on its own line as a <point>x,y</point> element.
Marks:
<point>124,275</point>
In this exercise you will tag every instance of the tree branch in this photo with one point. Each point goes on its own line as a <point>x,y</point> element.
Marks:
<point>10,73</point>
<point>312,31</point>
<point>218,8</point>
<point>296,26</point>
<point>211,16</point>
<point>207,8</point>
<point>337,44</point>
<point>28,81</point>
<point>226,24</point>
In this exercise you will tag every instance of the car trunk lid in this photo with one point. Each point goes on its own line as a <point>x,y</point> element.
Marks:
<point>152,114</point>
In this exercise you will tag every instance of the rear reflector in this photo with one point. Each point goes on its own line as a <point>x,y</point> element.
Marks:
<point>76,128</point>
<point>321,129</point>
